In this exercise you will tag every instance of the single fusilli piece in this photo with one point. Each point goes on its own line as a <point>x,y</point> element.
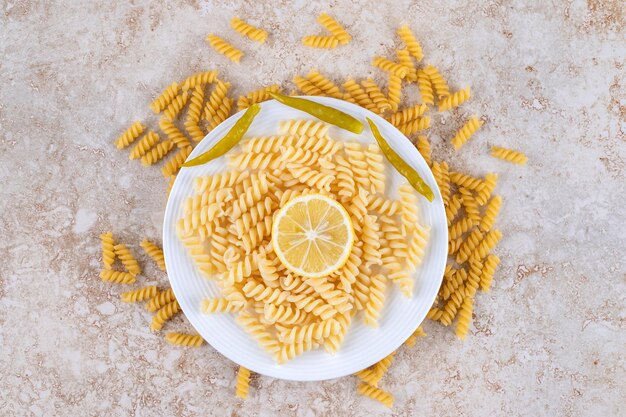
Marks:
<point>192,122</point>
<point>437,81</point>
<point>144,145</point>
<point>413,126</point>
<point>183,339</point>
<point>164,314</point>
<point>423,146</point>
<point>455,99</point>
<point>218,106</point>
<point>404,58</point>
<point>224,48</point>
<point>303,128</point>
<point>411,43</point>
<point>328,88</point>
<point>394,91</point>
<point>469,204</point>
<point>161,299</point>
<point>468,246</point>
<point>242,386</point>
<point>219,181</point>
<point>127,258</point>
<point>465,318</point>
<point>117,277</point>
<point>425,87</point>
<point>173,133</point>
<point>129,135</point>
<point>256,96</point>
<point>376,300</point>
<point>377,394</point>
<point>326,42</point>
<point>157,153</point>
<point>452,208</point>
<point>390,66</point>
<point>466,181</point>
<point>173,165</point>
<point>376,168</point>
<point>220,305</point>
<point>371,241</point>
<point>490,240</point>
<point>356,94</point>
<point>307,87</point>
<point>489,185</point>
<point>358,161</point>
<point>376,95</point>
<point>417,245</point>
<point>155,252</point>
<point>509,155</point>
<point>174,108</point>
<point>311,332</point>
<point>491,213</point>
<point>408,204</point>
<point>382,205</point>
<point>140,294</point>
<point>108,252</point>
<point>335,28</point>
<point>486,275</point>
<point>200,78</point>
<point>258,331</point>
<point>245,29</point>
<point>441,173</point>
<point>468,129</point>
<point>458,228</point>
<point>406,115</point>
<point>161,102</point>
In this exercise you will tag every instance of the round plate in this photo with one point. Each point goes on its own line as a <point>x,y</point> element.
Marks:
<point>363,346</point>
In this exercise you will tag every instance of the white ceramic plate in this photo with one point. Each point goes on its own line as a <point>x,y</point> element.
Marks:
<point>363,346</point>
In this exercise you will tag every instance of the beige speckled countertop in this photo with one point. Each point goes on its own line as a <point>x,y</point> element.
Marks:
<point>549,339</point>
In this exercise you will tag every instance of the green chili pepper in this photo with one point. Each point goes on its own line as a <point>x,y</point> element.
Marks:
<point>405,169</point>
<point>322,112</point>
<point>229,140</point>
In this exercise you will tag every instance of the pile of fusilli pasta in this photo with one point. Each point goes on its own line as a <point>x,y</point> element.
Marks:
<point>227,224</point>
<point>470,207</point>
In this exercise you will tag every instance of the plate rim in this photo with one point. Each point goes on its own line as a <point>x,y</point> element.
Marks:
<point>211,136</point>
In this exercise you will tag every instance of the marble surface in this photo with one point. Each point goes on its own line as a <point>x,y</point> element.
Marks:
<point>549,339</point>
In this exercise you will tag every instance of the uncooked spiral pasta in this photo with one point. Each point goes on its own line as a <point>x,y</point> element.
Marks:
<point>283,314</point>
<point>404,58</point>
<point>417,246</point>
<point>452,208</point>
<point>468,246</point>
<point>162,101</point>
<point>219,181</point>
<point>454,99</point>
<point>129,136</point>
<point>140,294</point>
<point>173,165</point>
<point>486,275</point>
<point>224,48</point>
<point>183,339</point>
<point>255,160</point>
<point>509,155</point>
<point>411,43</point>
<point>408,204</point>
<point>307,87</point>
<point>193,114</point>
<point>461,226</point>
<point>164,314</point>
<point>410,342</point>
<point>310,332</point>
<point>246,29</point>
<point>335,28</point>
<point>489,185</point>
<point>326,42</point>
<point>127,258</point>
<point>376,300</point>
<point>382,205</point>
<point>442,177</point>
<point>394,91</point>
<point>356,94</point>
<point>390,66</point>
<point>117,277</point>
<point>371,241</point>
<point>491,213</point>
<point>473,276</point>
<point>376,168</point>
<point>144,145</point>
<point>174,108</point>
<point>437,81</point>
<point>377,394</point>
<point>173,133</point>
<point>487,244</point>
<point>217,97</point>
<point>406,115</point>
<point>154,252</point>
<point>108,252</point>
<point>468,200</point>
<point>358,161</point>
<point>220,305</point>
<point>376,95</point>
<point>465,318</point>
<point>425,87</point>
<point>157,153</point>
<point>303,128</point>
<point>466,181</point>
<point>423,146</point>
<point>452,306</point>
<point>257,96</point>
<point>200,78</point>
<point>292,157</point>
<point>160,300</point>
<point>466,131</point>
<point>413,126</point>
<point>328,87</point>
<point>258,331</point>
<point>242,385</point>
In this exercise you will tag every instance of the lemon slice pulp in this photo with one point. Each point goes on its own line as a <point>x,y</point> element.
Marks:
<point>312,235</point>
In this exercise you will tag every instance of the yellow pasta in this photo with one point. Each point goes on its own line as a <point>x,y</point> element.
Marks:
<point>242,386</point>
<point>460,227</point>
<point>199,79</point>
<point>377,394</point>
<point>390,66</point>
<point>491,213</point>
<point>224,48</point>
<point>408,114</point>
<point>492,237</point>
<point>303,128</point>
<point>108,252</point>
<point>404,58</point>
<point>129,136</point>
<point>454,99</point>
<point>155,253</point>
<point>411,43</point>
<point>335,28</point>
<point>465,318</point>
<point>468,129</point>
<point>127,258</point>
<point>164,314</point>
<point>423,146</point>
<point>324,84</point>
<point>453,207</point>
<point>173,165</point>
<point>486,275</point>
<point>425,87</point>
<point>215,101</point>
<point>245,29</point>
<point>377,96</point>
<point>256,96</point>
<point>117,277</point>
<point>509,155</point>
<point>414,126</point>
<point>437,81</point>
<point>466,181</point>
<point>419,332</point>
<point>141,294</point>
<point>394,91</point>
<point>489,185</point>
<point>471,242</point>
<point>174,108</point>
<point>193,114</point>
<point>468,200</point>
<point>144,145</point>
<point>375,300</point>
<point>307,87</point>
<point>157,153</point>
<point>173,133</point>
<point>326,42</point>
<point>182,339</point>
<point>358,94</point>
<point>161,300</point>
<point>166,97</point>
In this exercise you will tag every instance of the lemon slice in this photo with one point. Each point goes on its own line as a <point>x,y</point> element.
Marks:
<point>312,235</point>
